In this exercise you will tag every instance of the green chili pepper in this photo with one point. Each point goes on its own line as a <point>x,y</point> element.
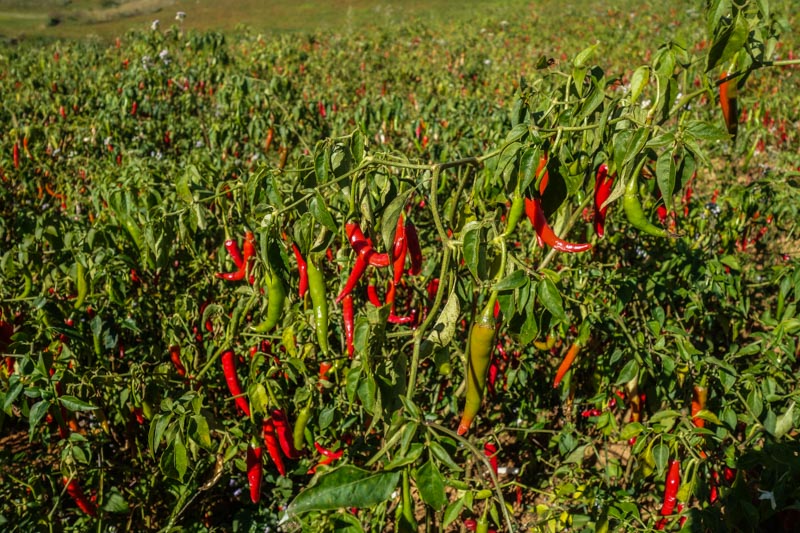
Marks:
<point>277,296</point>
<point>298,433</point>
<point>481,342</point>
<point>635,213</point>
<point>82,285</point>
<point>316,286</point>
<point>514,213</point>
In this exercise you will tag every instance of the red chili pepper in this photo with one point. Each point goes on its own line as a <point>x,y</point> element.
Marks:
<point>670,492</point>
<point>175,357</point>
<point>490,450</point>
<point>328,453</point>
<point>75,491</point>
<point>302,268</point>
<point>602,190</point>
<point>233,249</point>
<point>16,155</point>
<point>355,275</point>
<point>372,295</point>
<point>232,379</point>
<point>535,212</point>
<point>413,248</point>
<point>363,245</point>
<point>284,433</point>
<point>249,250</point>
<point>714,493</point>
<point>566,363</point>
<point>349,323</point>
<point>271,440</point>
<point>254,472</point>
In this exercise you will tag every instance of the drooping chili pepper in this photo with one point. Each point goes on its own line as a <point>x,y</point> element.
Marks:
<point>634,212</point>
<point>728,101</point>
<point>298,435</point>
<point>273,447</point>
<point>414,249</point>
<point>363,246</point>
<point>328,456</point>
<point>699,397</point>
<point>566,363</point>
<point>316,286</point>
<point>16,155</point>
<point>372,295</point>
<point>670,492</point>
<point>232,379</point>
<point>82,285</point>
<point>175,357</point>
<point>514,213</point>
<point>302,269</point>
<point>249,254</point>
<point>233,250</point>
<point>75,491</point>
<point>254,472</point>
<point>284,432</point>
<point>359,268</point>
<point>349,324</point>
<point>481,342</point>
<point>490,450</point>
<point>276,292</point>
<point>268,140</point>
<point>535,212</point>
<point>602,190</point>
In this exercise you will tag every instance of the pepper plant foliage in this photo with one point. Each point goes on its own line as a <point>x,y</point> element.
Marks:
<point>126,169</point>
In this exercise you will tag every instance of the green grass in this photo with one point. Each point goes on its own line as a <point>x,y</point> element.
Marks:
<point>101,18</point>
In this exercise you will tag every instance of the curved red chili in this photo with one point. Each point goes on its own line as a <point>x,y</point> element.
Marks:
<point>302,269</point>
<point>75,491</point>
<point>602,190</point>
<point>535,212</point>
<point>349,323</point>
<point>254,472</point>
<point>232,379</point>
<point>273,447</point>
<point>233,250</point>
<point>414,249</point>
<point>670,492</point>
<point>283,430</point>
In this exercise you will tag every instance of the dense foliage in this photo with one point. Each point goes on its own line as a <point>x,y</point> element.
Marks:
<point>166,197</point>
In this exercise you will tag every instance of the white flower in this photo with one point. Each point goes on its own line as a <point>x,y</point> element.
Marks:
<point>163,53</point>
<point>767,495</point>
<point>645,104</point>
<point>154,25</point>
<point>180,15</point>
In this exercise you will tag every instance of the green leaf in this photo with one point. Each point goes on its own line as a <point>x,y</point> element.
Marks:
<point>114,502</point>
<point>551,299</point>
<point>704,131</point>
<point>785,422</point>
<point>639,80</point>
<point>322,154</point>
<point>200,432</point>
<point>583,57</point>
<point>181,459</point>
<point>320,211</point>
<point>515,280</point>
<point>728,40</point>
<point>440,453</point>
<point>36,414</point>
<point>346,486</point>
<point>452,512</point>
<point>628,372</point>
<point>661,457</point>
<point>665,175</point>
<point>474,249</point>
<point>731,262</point>
<point>430,483</point>
<point>528,163</point>
<point>74,404</point>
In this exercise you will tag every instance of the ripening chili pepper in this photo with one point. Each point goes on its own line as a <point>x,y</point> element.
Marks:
<point>233,250</point>
<point>349,323</point>
<point>134,107</point>
<point>514,213</point>
<point>414,249</point>
<point>316,286</point>
<point>481,342</point>
<point>249,253</point>
<point>372,295</point>
<point>232,379</point>
<point>490,450</point>
<point>328,456</point>
<point>302,269</point>
<point>268,140</point>
<point>254,472</point>
<point>16,155</point>
<point>673,483</point>
<point>566,363</point>
<point>602,190</point>
<point>284,432</point>
<point>728,101</point>
<point>699,397</point>
<point>75,491</point>
<point>535,212</point>
<point>273,447</point>
<point>363,246</point>
<point>175,357</point>
<point>634,212</point>
<point>359,268</point>
<point>298,434</point>
<point>714,491</point>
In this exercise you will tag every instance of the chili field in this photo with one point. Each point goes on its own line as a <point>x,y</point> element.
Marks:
<point>532,267</point>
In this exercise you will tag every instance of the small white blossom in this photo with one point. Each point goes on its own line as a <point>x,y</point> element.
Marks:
<point>180,15</point>
<point>645,104</point>
<point>767,495</point>
<point>154,25</point>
